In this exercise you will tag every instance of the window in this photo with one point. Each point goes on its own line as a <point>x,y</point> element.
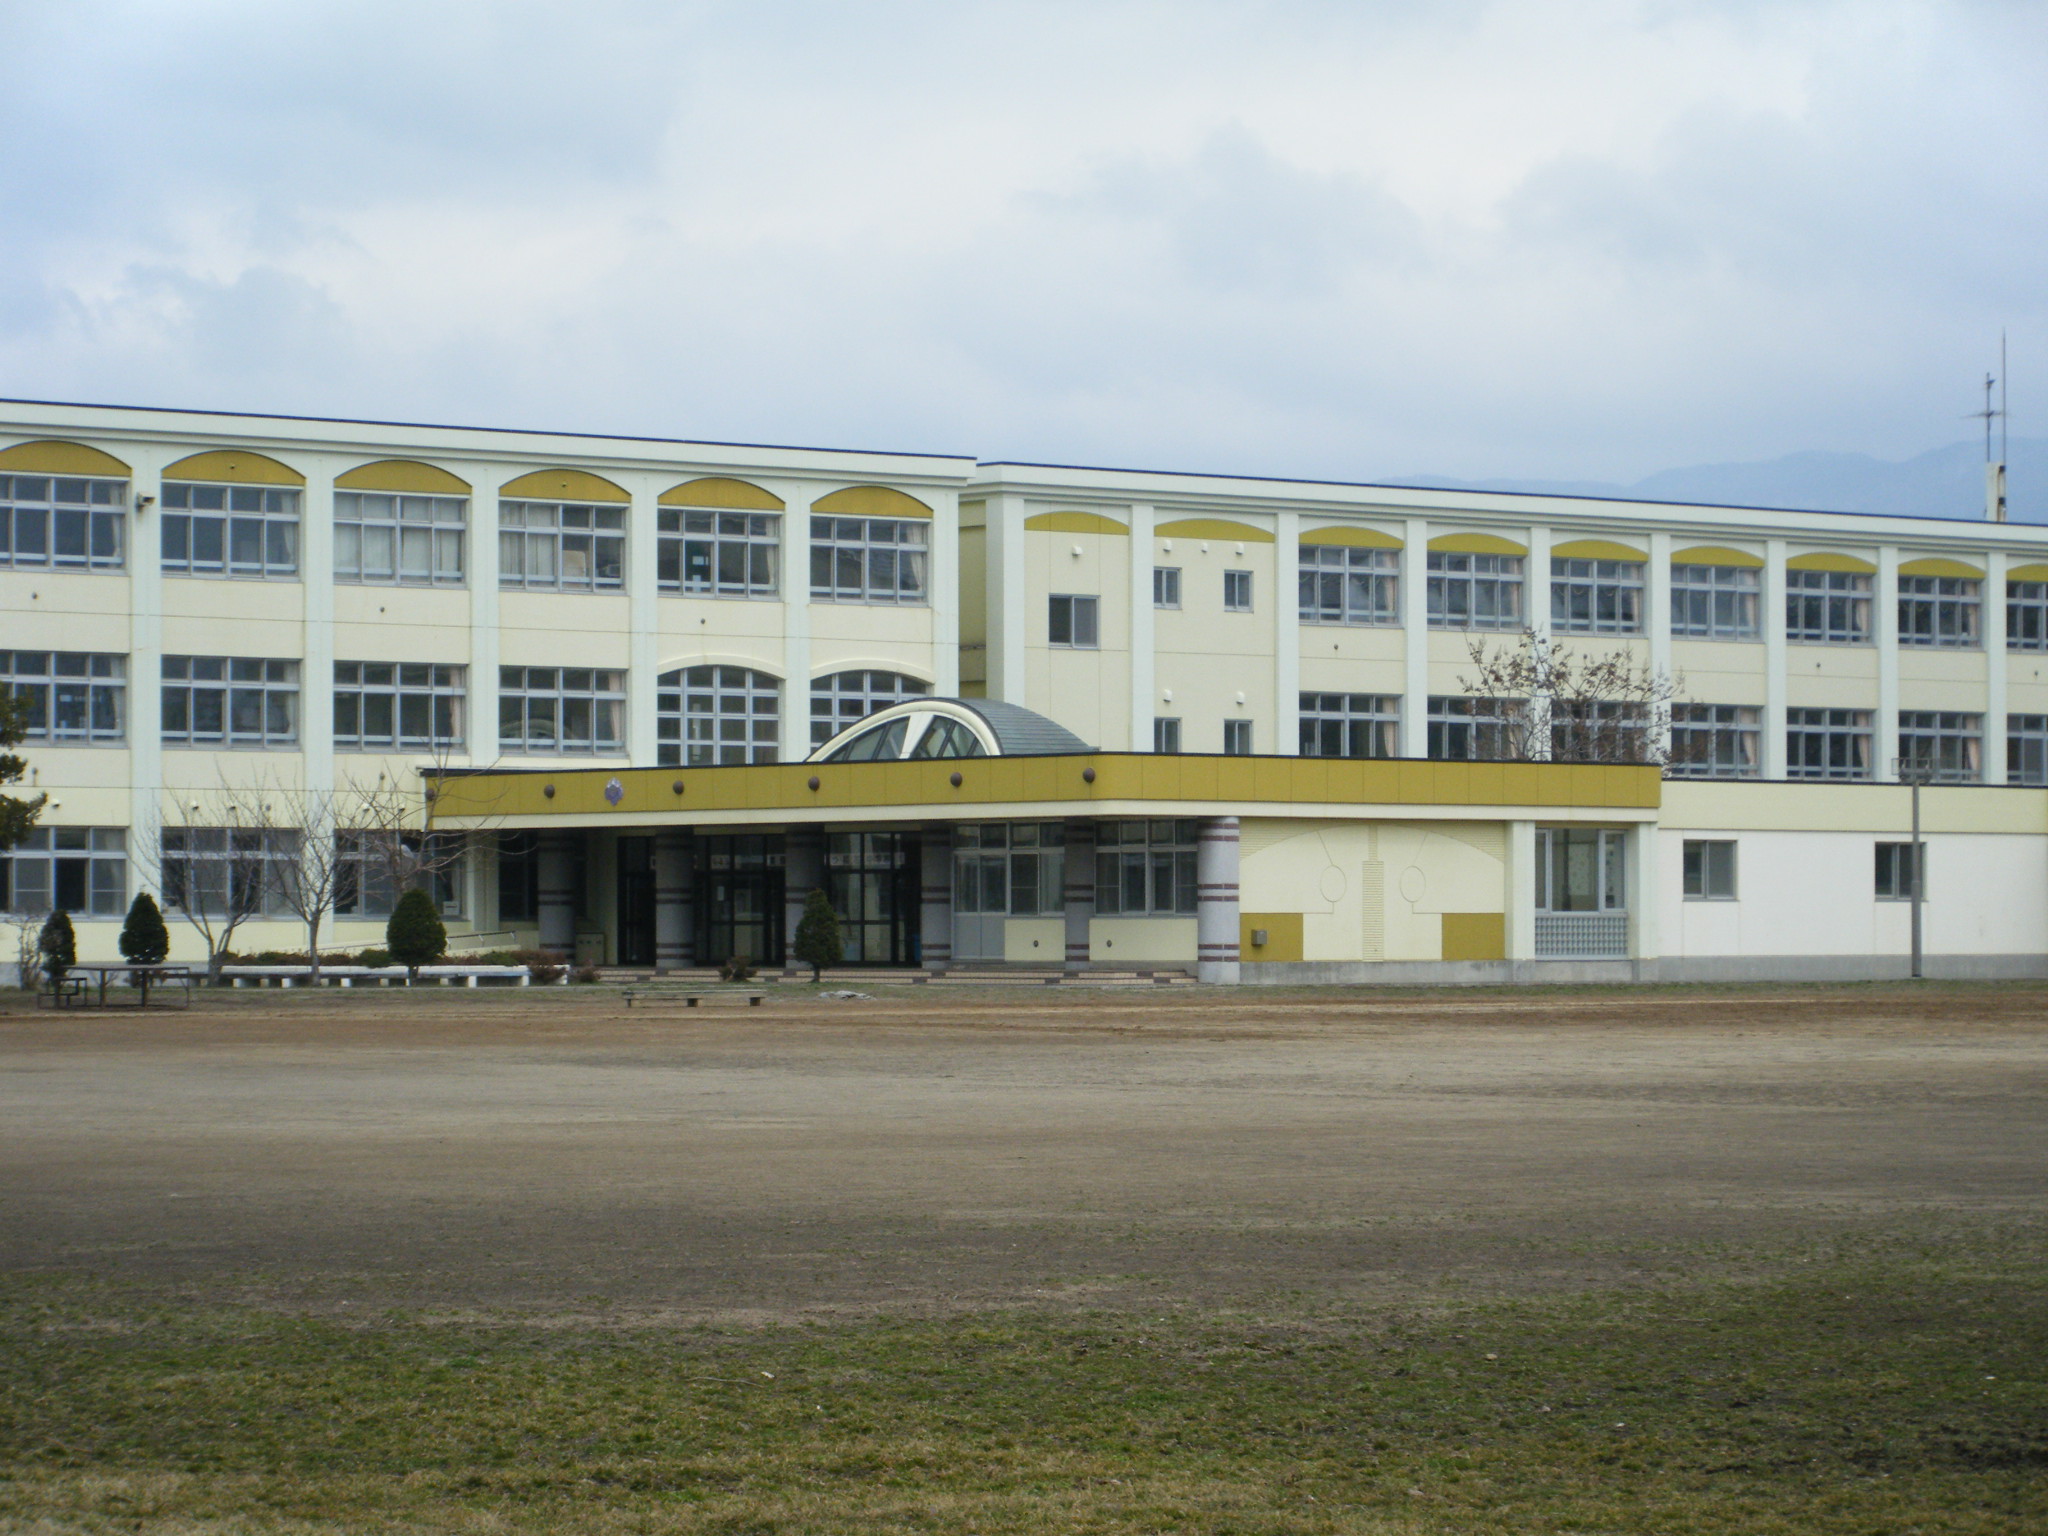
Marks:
<point>518,877</point>
<point>1350,724</point>
<point>73,697</point>
<point>1895,872</point>
<point>1716,741</point>
<point>1600,731</point>
<point>1474,591</point>
<point>868,559</point>
<point>1145,868</point>
<point>62,524</point>
<point>843,698</point>
<point>379,705</point>
<point>2026,749</point>
<point>1237,738</point>
<point>2026,615</point>
<point>556,546</point>
<point>561,709</point>
<point>83,870</point>
<point>1939,610</point>
<point>230,530</point>
<point>235,701</point>
<point>706,716</point>
<point>1165,733</point>
<point>413,541</point>
<point>1952,743</point>
<point>1343,585</point>
<point>1071,621</point>
<point>1596,597</point>
<point>1463,730</point>
<point>719,554</point>
<point>1017,868</point>
<point>1714,602</point>
<point>371,870</point>
<point>1237,591</point>
<point>1165,586</point>
<point>1581,869</point>
<point>1709,870</point>
<point>1827,743</point>
<point>1827,607</point>
<point>229,871</point>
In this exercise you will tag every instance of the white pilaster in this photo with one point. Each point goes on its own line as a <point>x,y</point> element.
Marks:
<point>1643,895</point>
<point>1539,624</point>
<point>1006,599</point>
<point>1886,624</point>
<point>1772,622</point>
<point>1414,591</point>
<point>795,745</point>
<point>1520,897</point>
<point>145,664</point>
<point>480,731</point>
<point>945,591</point>
<point>1657,615</point>
<point>1993,627</point>
<point>316,597</point>
<point>1144,626</point>
<point>1286,636</point>
<point>643,618</point>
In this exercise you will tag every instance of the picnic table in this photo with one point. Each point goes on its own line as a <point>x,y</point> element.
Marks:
<point>169,979</point>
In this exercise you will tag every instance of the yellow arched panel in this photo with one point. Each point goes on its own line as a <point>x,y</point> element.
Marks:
<point>1828,562</point>
<point>563,485</point>
<point>407,476</point>
<point>2026,573</point>
<point>1475,544</point>
<point>1716,554</point>
<point>234,468</point>
<point>1073,522</point>
<point>717,491</point>
<point>1937,567</point>
<point>52,458</point>
<point>871,501</point>
<point>1594,549</point>
<point>1354,538</point>
<point>1212,528</point>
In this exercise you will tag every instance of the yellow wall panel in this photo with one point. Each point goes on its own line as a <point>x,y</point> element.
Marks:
<point>1074,522</point>
<point>1716,554</point>
<point>1828,561</point>
<point>55,458</point>
<point>234,468</point>
<point>563,485</point>
<point>871,501</point>
<point>1475,936</point>
<point>406,476</point>
<point>1351,537</point>
<point>1595,549</point>
<point>1283,936</point>
<point>1476,544</point>
<point>720,491</point>
<point>1933,567</point>
<point>1212,528</point>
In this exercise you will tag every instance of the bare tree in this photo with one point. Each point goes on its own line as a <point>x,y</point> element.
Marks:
<point>216,857</point>
<point>1564,705</point>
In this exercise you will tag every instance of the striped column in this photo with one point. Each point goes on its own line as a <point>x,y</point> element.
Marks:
<point>671,900</point>
<point>1078,891</point>
<point>557,892</point>
<point>935,897</point>
<point>1216,900</point>
<point>803,871</point>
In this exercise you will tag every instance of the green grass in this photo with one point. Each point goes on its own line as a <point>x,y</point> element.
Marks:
<point>1871,1397</point>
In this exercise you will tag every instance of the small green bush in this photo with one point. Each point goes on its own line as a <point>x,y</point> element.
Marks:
<point>58,945</point>
<point>818,940</point>
<point>144,938</point>
<point>416,936</point>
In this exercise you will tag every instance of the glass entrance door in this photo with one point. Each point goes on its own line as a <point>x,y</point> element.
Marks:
<point>871,880</point>
<point>636,901</point>
<point>739,901</point>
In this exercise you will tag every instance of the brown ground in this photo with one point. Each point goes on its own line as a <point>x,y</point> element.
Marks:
<point>549,1151</point>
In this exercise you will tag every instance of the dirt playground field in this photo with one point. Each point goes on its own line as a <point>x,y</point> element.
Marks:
<point>932,1151</point>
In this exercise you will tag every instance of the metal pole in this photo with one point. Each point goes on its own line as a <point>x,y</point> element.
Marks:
<point>1917,881</point>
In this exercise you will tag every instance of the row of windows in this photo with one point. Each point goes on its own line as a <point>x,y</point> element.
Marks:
<point>1708,870</point>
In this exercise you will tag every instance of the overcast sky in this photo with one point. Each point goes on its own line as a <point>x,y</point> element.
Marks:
<point>1560,238</point>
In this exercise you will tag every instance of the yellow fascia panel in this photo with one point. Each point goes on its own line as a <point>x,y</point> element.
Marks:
<point>1937,567</point>
<point>1199,778</point>
<point>722,492</point>
<point>1212,528</point>
<point>1312,781</point>
<point>1283,936</point>
<point>404,476</point>
<point>1595,549</point>
<point>1476,544</point>
<point>1352,537</point>
<point>55,458</point>
<point>563,485</point>
<point>1075,522</point>
<point>2026,573</point>
<point>1826,561</point>
<point>871,501</point>
<point>1717,554</point>
<point>1475,936</point>
<point>1486,784</point>
<point>1234,779</point>
<point>234,469</point>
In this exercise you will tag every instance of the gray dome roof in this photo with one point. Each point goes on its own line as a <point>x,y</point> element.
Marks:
<point>1021,732</point>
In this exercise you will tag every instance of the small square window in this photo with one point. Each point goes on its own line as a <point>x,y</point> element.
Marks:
<point>1165,586</point>
<point>1237,738</point>
<point>1072,622</point>
<point>1166,733</point>
<point>1709,870</point>
<point>1895,872</point>
<point>1237,591</point>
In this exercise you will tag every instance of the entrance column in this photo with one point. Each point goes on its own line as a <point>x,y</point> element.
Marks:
<point>935,897</point>
<point>1079,891</point>
<point>557,883</point>
<point>803,871</point>
<point>671,901</point>
<point>1216,900</point>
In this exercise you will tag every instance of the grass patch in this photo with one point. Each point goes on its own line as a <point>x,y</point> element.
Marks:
<point>1861,1398</point>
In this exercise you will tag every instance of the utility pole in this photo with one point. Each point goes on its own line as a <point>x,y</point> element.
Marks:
<point>1916,771</point>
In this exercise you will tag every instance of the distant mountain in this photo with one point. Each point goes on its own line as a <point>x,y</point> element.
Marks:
<point>1944,482</point>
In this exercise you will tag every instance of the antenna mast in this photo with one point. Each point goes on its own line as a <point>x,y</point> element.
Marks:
<point>1994,468</point>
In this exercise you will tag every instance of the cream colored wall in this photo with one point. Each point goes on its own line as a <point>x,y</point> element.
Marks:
<point>1720,671</point>
<point>1114,941</point>
<point>1086,691</point>
<point>1372,890</point>
<point>1831,676</point>
<point>1217,665</point>
<point>1035,940</point>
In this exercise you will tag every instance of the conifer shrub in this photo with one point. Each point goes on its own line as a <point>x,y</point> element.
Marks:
<point>818,940</point>
<point>415,935</point>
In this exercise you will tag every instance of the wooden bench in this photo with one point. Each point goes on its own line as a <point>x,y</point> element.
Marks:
<point>690,999</point>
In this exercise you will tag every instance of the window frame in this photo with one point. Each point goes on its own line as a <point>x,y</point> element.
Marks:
<point>1716,602</point>
<point>1956,739</point>
<point>840,544</point>
<point>835,717</point>
<point>1080,636</point>
<point>2026,615</point>
<point>1237,592</point>
<point>88,511</point>
<point>691,737</point>
<point>1166,586</point>
<point>1611,598</point>
<point>1498,723</point>
<point>2026,749</point>
<point>267,855</point>
<point>604,694</point>
<point>1346,719</point>
<point>1699,875</point>
<point>273,691</point>
<point>1894,874</point>
<point>753,540</point>
<point>1730,726</point>
<point>1146,868</point>
<point>1237,738</point>
<point>95,858</point>
<point>1166,735</point>
<point>1451,571</point>
<point>599,537</point>
<point>273,515</point>
<point>444,688</point>
<point>93,683</point>
<point>1854,725</point>
<point>1941,612</point>
<point>1349,584</point>
<point>443,532</point>
<point>1609,868</point>
<point>1828,607</point>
